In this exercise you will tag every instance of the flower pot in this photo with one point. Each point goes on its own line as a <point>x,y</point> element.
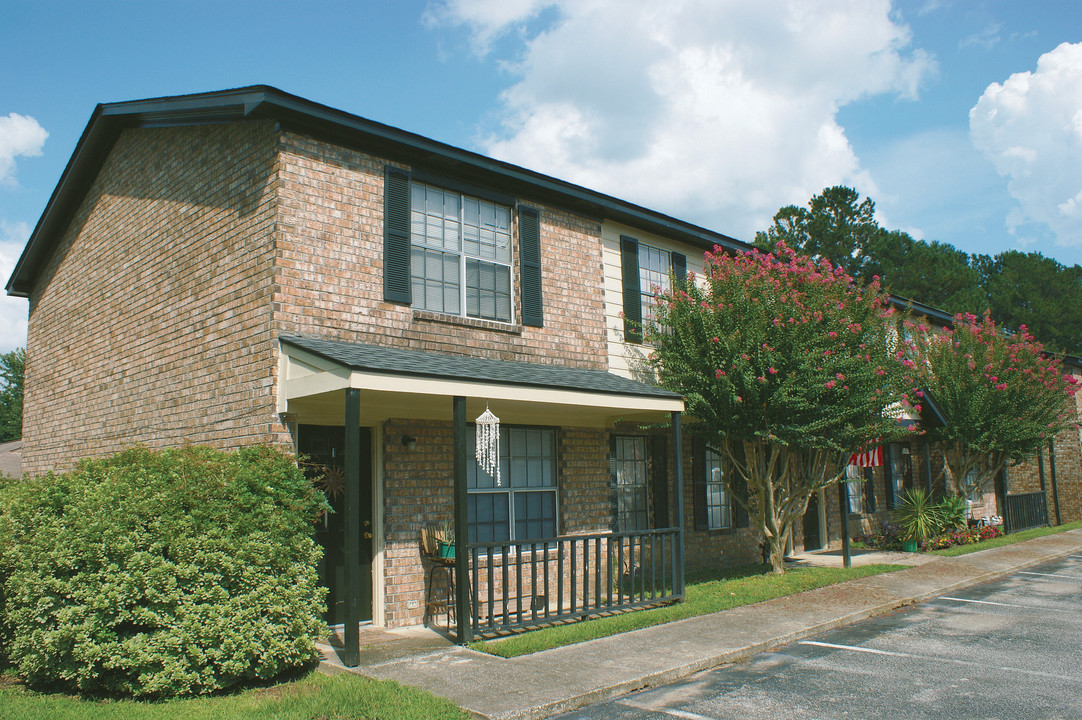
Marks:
<point>909,545</point>
<point>447,550</point>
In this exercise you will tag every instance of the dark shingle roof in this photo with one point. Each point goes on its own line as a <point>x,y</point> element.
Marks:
<point>376,358</point>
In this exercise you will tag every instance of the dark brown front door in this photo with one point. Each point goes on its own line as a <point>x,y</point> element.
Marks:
<point>325,448</point>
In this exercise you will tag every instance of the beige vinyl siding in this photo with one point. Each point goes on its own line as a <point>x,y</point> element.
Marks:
<point>629,359</point>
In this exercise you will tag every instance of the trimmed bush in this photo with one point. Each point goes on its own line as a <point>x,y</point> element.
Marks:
<point>155,574</point>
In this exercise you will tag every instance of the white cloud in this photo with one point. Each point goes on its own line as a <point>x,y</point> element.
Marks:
<point>717,111</point>
<point>13,311</point>
<point>1030,127</point>
<point>19,135</point>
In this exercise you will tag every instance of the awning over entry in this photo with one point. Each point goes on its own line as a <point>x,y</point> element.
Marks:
<point>395,382</point>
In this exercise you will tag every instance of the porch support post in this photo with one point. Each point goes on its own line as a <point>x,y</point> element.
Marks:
<point>352,522</point>
<point>843,506</point>
<point>463,611</point>
<point>678,477</point>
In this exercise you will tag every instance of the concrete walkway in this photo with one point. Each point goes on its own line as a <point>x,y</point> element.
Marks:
<point>562,679</point>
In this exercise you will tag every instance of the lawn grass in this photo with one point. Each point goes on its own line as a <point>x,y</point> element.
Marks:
<point>705,593</point>
<point>312,697</point>
<point>1014,537</point>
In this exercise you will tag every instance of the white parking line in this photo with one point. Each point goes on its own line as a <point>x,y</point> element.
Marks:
<point>1070,577</point>
<point>984,602</point>
<point>951,661</point>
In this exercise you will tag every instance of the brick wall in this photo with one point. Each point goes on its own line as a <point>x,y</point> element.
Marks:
<point>329,270</point>
<point>150,323</point>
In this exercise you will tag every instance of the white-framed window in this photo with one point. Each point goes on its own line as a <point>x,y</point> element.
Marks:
<point>523,506</point>
<point>854,478</point>
<point>630,470</point>
<point>719,514</point>
<point>460,254</point>
<point>655,268</point>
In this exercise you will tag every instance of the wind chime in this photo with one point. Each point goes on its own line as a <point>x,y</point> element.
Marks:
<point>488,443</point>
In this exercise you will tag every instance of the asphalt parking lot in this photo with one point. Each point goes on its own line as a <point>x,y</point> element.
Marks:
<point>1007,649</point>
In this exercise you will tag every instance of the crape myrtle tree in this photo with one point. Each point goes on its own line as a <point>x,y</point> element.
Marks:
<point>1001,396</point>
<point>787,366</point>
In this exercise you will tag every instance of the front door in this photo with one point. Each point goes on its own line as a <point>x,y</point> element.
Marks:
<point>325,448</point>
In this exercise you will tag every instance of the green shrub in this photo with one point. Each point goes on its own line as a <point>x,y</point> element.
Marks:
<point>154,574</point>
<point>952,511</point>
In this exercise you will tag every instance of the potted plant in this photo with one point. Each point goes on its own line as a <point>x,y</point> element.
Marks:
<point>918,518</point>
<point>445,537</point>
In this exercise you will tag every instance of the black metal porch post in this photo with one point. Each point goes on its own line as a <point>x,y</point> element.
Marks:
<point>352,551</point>
<point>678,477</point>
<point>463,611</point>
<point>843,505</point>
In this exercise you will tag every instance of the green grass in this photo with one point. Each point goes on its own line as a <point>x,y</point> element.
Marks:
<point>706,593</point>
<point>313,697</point>
<point>1007,539</point>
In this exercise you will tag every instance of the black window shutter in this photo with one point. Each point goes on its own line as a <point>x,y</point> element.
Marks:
<point>869,491</point>
<point>614,484</point>
<point>529,236</point>
<point>698,481</point>
<point>679,269</point>
<point>396,236</point>
<point>740,489</point>
<point>629,254</point>
<point>660,457</point>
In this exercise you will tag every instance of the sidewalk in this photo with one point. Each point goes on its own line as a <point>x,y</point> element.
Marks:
<point>562,679</point>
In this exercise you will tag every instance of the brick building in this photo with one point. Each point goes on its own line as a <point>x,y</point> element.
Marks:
<point>247,266</point>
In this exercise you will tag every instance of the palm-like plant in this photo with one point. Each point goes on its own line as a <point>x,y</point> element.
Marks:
<point>918,516</point>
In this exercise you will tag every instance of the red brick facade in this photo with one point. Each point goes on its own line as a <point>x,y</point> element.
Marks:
<point>157,317</point>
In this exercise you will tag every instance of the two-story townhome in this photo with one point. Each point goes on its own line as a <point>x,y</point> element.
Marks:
<point>247,266</point>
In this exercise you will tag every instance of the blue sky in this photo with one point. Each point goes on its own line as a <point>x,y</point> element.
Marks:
<point>962,119</point>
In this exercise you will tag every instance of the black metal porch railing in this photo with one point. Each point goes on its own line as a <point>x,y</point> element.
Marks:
<point>1024,511</point>
<point>549,580</point>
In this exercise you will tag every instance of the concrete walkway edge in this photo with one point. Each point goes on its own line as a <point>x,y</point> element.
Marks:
<point>562,679</point>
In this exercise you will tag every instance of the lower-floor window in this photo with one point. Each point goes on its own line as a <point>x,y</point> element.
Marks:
<point>523,506</point>
<point>718,509</point>
<point>630,472</point>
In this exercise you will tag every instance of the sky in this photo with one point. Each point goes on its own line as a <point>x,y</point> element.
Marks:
<point>961,119</point>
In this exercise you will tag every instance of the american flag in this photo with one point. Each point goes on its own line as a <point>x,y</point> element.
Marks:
<point>868,458</point>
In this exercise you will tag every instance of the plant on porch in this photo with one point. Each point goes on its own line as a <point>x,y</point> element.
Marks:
<point>1001,397</point>
<point>787,366</point>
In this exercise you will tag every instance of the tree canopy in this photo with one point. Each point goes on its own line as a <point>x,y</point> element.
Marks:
<point>12,365</point>
<point>1001,396</point>
<point>787,366</point>
<point>1018,288</point>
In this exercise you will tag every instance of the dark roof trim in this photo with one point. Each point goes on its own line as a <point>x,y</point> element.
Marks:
<point>397,361</point>
<point>261,102</point>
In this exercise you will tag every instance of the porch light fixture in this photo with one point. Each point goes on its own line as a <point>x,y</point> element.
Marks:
<point>409,442</point>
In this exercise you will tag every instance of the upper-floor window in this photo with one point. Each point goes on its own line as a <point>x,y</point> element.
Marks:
<point>645,271</point>
<point>460,254</point>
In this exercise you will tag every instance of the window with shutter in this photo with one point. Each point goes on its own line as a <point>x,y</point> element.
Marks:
<point>646,271</point>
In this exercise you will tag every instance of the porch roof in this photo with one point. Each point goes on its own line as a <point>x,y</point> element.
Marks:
<point>404,383</point>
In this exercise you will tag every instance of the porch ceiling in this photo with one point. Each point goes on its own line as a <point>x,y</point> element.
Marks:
<point>412,384</point>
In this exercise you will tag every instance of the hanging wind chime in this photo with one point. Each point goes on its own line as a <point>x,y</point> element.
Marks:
<point>488,443</point>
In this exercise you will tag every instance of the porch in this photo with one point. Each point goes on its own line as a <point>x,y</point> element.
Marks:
<point>544,563</point>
